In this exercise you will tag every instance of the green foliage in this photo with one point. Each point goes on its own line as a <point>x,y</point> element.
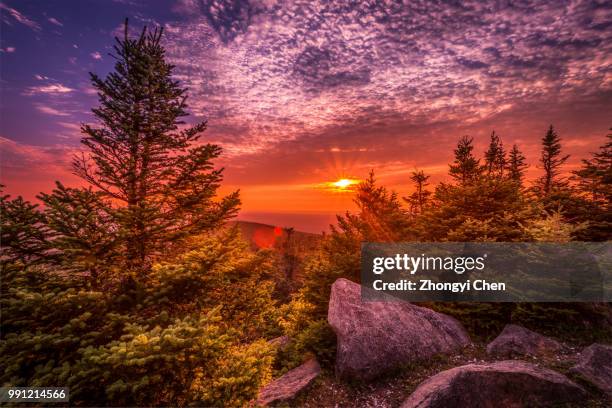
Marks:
<point>317,340</point>
<point>194,337</point>
<point>191,361</point>
<point>380,216</point>
<point>78,229</point>
<point>219,270</point>
<point>22,230</point>
<point>552,228</point>
<point>487,209</point>
<point>594,184</point>
<point>309,332</point>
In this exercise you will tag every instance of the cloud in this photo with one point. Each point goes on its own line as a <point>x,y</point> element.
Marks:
<point>55,21</point>
<point>49,89</point>
<point>26,169</point>
<point>18,17</point>
<point>50,110</point>
<point>268,72</point>
<point>96,55</point>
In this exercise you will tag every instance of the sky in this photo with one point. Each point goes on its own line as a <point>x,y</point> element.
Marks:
<point>303,93</point>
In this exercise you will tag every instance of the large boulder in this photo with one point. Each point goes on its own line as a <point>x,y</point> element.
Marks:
<point>516,340</point>
<point>509,383</point>
<point>595,365</point>
<point>374,337</point>
<point>286,387</point>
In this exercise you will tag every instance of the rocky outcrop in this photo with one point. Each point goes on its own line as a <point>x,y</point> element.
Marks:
<point>280,343</point>
<point>286,387</point>
<point>374,337</point>
<point>518,341</point>
<point>501,384</point>
<point>595,365</point>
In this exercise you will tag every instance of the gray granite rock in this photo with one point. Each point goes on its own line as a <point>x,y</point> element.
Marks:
<point>376,337</point>
<point>516,340</point>
<point>500,384</point>
<point>286,387</point>
<point>595,365</point>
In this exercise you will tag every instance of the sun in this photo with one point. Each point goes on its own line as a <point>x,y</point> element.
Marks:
<point>343,184</point>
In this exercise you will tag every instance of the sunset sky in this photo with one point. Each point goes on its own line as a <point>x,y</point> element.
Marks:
<point>302,93</point>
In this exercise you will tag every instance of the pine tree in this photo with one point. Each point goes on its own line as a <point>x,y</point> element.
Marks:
<point>381,217</point>
<point>160,180</point>
<point>594,181</point>
<point>78,230</point>
<point>595,176</point>
<point>495,157</point>
<point>23,234</point>
<point>465,168</point>
<point>419,198</point>
<point>516,165</point>
<point>551,161</point>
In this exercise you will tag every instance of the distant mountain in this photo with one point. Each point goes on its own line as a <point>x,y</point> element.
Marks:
<point>269,236</point>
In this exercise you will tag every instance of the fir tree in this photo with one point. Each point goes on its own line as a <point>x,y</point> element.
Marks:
<point>160,180</point>
<point>79,230</point>
<point>594,181</point>
<point>595,177</point>
<point>516,165</point>
<point>381,217</point>
<point>419,198</point>
<point>495,157</point>
<point>551,161</point>
<point>465,168</point>
<point>23,233</point>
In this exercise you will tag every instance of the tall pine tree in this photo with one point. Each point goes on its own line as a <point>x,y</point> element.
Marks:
<point>158,176</point>
<point>419,198</point>
<point>495,157</point>
<point>551,161</point>
<point>465,168</point>
<point>594,178</point>
<point>516,165</point>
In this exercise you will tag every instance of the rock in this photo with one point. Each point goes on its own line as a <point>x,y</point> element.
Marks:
<point>595,365</point>
<point>375,337</point>
<point>287,387</point>
<point>517,340</point>
<point>509,383</point>
<point>280,343</point>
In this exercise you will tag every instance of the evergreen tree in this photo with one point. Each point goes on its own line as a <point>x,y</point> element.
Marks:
<point>419,198</point>
<point>79,230</point>
<point>516,165</point>
<point>160,180</point>
<point>380,217</point>
<point>465,168</point>
<point>488,209</point>
<point>23,233</point>
<point>595,177</point>
<point>594,181</point>
<point>495,157</point>
<point>551,161</point>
